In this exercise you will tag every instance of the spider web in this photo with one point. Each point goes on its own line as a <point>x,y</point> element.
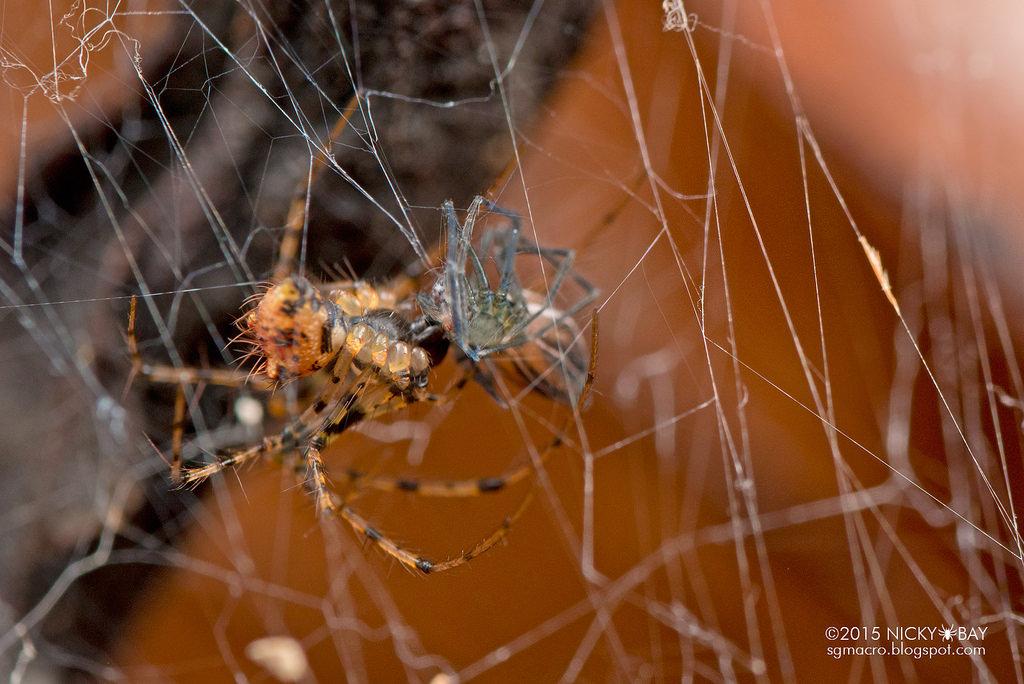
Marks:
<point>807,406</point>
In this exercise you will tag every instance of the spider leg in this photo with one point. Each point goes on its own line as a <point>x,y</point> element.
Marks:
<point>590,291</point>
<point>193,476</point>
<point>466,239</point>
<point>355,404</point>
<point>166,374</point>
<point>488,543</point>
<point>453,489</point>
<point>308,424</point>
<point>459,245</point>
<point>295,225</point>
<point>364,529</point>
<point>454,270</point>
<point>316,478</point>
<point>562,259</point>
<point>133,346</point>
<point>191,375</point>
<point>181,377</point>
<point>414,561</point>
<point>508,271</point>
<point>177,433</point>
<point>470,222</point>
<point>419,563</point>
<point>478,266</point>
<point>563,268</point>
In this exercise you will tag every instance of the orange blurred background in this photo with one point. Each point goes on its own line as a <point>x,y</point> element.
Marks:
<point>721,546</point>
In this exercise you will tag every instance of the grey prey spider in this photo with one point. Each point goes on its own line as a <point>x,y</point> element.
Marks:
<point>481,320</point>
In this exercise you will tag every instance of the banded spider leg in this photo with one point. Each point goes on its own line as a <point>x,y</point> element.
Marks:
<point>458,489</point>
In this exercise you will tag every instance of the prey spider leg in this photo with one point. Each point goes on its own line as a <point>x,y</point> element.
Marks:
<point>455,265</point>
<point>482,320</point>
<point>562,260</point>
<point>508,271</point>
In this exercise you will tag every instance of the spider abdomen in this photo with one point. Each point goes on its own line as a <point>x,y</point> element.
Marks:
<point>493,316</point>
<point>296,329</point>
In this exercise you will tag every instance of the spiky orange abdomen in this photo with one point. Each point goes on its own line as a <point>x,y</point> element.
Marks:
<point>294,325</point>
